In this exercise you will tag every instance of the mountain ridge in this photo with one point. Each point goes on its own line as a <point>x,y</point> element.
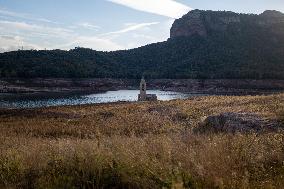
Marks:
<point>203,44</point>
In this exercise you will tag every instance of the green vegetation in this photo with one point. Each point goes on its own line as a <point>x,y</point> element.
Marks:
<point>140,145</point>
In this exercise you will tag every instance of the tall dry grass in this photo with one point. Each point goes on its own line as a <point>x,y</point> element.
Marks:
<point>140,145</point>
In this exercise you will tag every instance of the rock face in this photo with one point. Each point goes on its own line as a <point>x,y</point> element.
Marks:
<point>236,123</point>
<point>203,23</point>
<point>272,14</point>
<point>191,23</point>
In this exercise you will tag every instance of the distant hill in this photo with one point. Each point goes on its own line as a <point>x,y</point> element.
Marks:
<point>203,44</point>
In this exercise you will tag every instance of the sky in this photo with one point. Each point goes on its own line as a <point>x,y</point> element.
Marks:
<point>104,25</point>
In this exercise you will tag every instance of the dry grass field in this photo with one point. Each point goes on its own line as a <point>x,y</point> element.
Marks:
<point>142,145</point>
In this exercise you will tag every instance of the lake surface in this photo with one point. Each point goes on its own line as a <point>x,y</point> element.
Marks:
<point>110,96</point>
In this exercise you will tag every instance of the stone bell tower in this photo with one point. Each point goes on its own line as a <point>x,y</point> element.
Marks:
<point>143,94</point>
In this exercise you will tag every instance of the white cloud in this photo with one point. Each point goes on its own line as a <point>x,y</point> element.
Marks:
<point>7,40</point>
<point>18,33</point>
<point>37,36</point>
<point>91,42</point>
<point>12,43</point>
<point>169,8</point>
<point>19,30</point>
<point>8,13</point>
<point>89,26</point>
<point>39,33</point>
<point>131,27</point>
<point>10,26</point>
<point>154,34</point>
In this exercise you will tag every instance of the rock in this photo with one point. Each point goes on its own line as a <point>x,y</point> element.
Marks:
<point>204,23</point>
<point>201,23</point>
<point>271,17</point>
<point>272,14</point>
<point>236,123</point>
<point>188,25</point>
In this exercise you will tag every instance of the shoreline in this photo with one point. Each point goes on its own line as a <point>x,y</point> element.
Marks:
<point>94,85</point>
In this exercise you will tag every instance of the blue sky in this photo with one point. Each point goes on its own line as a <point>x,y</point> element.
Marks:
<point>103,24</point>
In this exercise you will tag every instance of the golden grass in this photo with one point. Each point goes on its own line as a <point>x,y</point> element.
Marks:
<point>140,145</point>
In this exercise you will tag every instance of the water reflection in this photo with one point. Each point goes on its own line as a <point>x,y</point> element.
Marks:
<point>110,96</point>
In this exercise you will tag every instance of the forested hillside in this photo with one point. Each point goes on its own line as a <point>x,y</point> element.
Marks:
<point>203,44</point>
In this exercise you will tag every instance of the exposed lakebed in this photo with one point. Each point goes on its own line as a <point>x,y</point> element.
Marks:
<point>34,101</point>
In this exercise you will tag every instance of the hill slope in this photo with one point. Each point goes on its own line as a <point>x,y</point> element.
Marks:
<point>203,44</point>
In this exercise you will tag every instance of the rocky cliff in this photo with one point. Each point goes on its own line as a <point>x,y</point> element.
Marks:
<point>203,23</point>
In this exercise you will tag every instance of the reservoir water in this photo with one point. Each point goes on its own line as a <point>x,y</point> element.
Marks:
<point>110,96</point>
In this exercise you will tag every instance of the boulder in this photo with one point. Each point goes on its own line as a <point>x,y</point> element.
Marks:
<point>236,123</point>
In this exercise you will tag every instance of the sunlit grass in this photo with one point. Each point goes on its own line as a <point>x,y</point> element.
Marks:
<point>140,145</point>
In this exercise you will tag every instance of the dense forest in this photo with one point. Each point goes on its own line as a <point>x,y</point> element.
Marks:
<point>251,48</point>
